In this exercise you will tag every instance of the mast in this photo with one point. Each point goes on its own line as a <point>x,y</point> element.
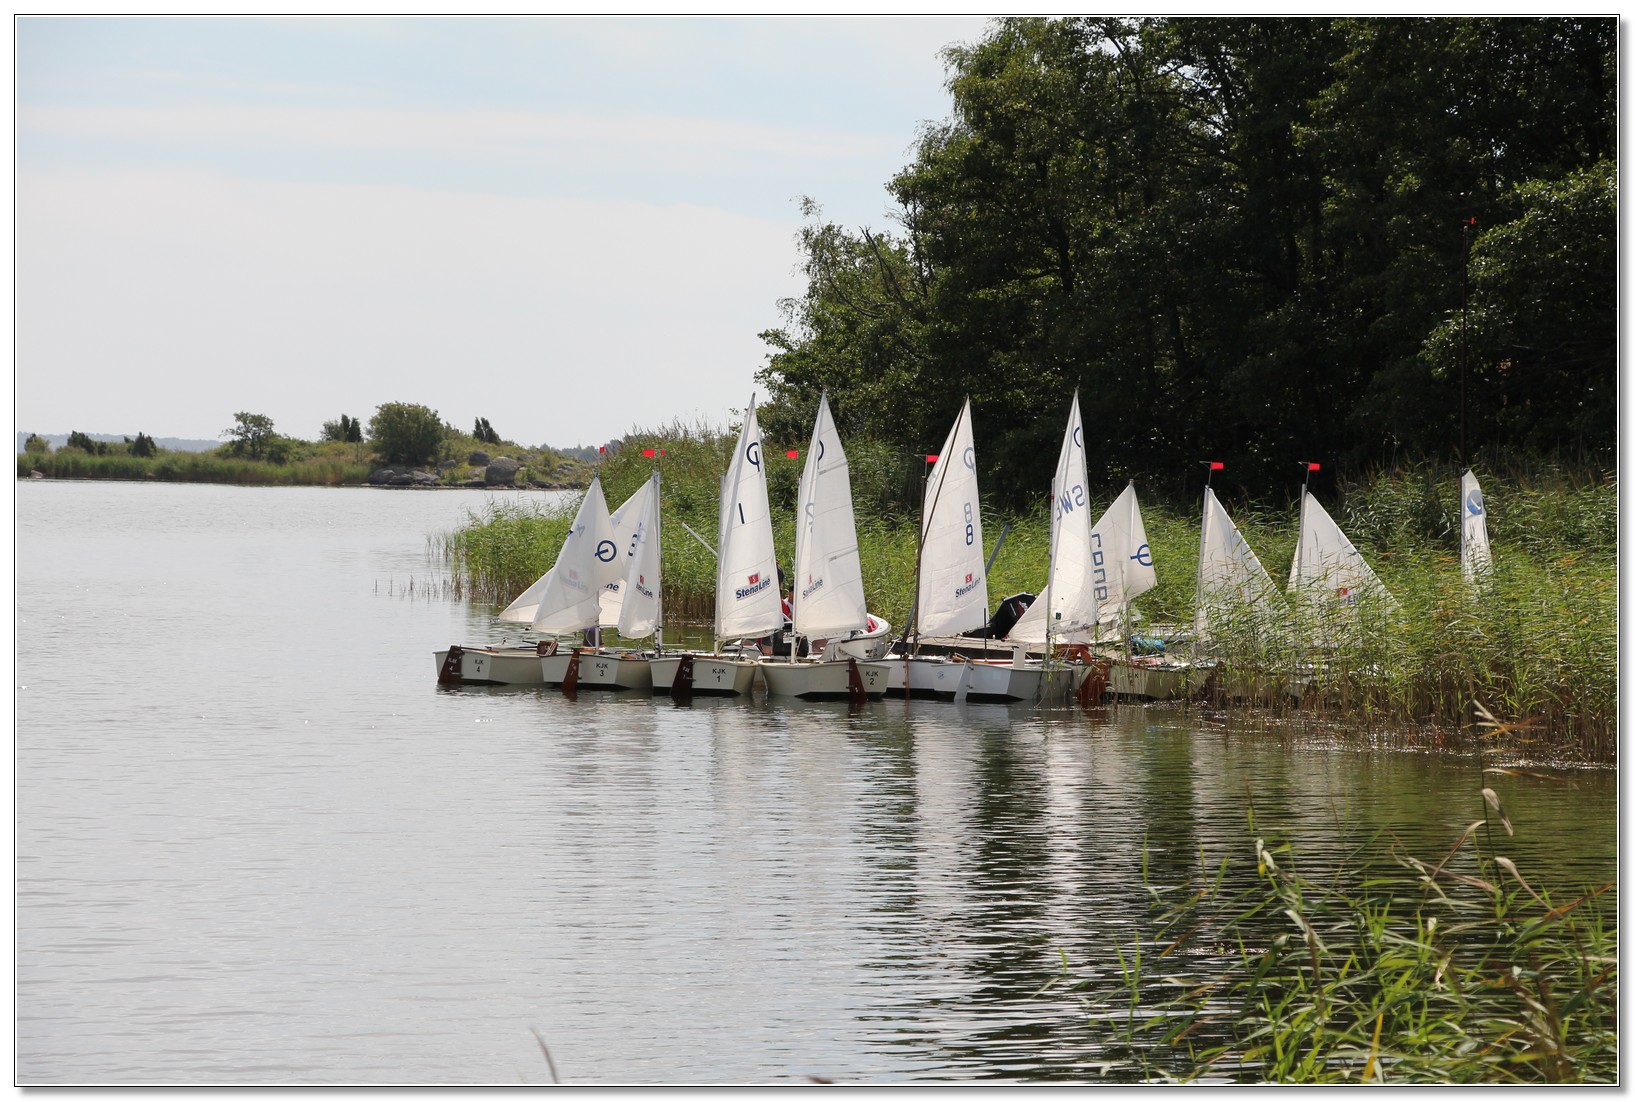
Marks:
<point>1300,536</point>
<point>658,534</point>
<point>1210,466</point>
<point>927,509</point>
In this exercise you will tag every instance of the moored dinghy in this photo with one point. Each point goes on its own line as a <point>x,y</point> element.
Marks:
<point>747,601</point>
<point>1127,570</point>
<point>1236,598</point>
<point>951,576</point>
<point>570,600</point>
<point>638,598</point>
<point>827,605</point>
<point>1335,590</point>
<point>520,665</point>
<point>1067,610</point>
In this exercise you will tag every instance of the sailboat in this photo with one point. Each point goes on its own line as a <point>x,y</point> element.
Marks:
<point>572,597</point>
<point>747,602</point>
<point>1329,577</point>
<point>827,605</point>
<point>951,576</point>
<point>1069,610</point>
<point>632,604</point>
<point>565,598</point>
<point>1475,556</point>
<point>1124,571</point>
<point>1236,598</point>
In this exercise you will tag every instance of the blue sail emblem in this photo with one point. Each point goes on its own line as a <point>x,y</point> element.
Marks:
<point>1473,503</point>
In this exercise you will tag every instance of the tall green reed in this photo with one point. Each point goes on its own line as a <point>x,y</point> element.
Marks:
<point>1396,968</point>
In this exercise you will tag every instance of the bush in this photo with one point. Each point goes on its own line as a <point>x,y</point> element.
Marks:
<point>405,433</point>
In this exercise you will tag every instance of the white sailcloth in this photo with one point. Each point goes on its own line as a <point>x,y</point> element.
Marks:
<point>953,584</point>
<point>1070,598</point>
<point>828,599</point>
<point>1327,569</point>
<point>1123,557</point>
<point>571,597</point>
<point>1230,577</point>
<point>640,611</point>
<point>747,601</point>
<point>1475,556</point>
<point>522,610</point>
<point>625,520</point>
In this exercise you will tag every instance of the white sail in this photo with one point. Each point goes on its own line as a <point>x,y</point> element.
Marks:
<point>953,584</point>
<point>571,597</point>
<point>1475,556</point>
<point>1124,558</point>
<point>640,612</point>
<point>747,601</point>
<point>828,583</point>
<point>522,610</point>
<point>1327,570</point>
<point>1230,576</point>
<point>1069,600</point>
<point>625,520</point>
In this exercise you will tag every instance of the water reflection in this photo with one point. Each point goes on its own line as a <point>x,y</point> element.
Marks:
<point>302,862</point>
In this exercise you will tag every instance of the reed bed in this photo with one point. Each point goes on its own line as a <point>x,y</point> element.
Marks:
<point>1537,640</point>
<point>1402,969</point>
<point>195,467</point>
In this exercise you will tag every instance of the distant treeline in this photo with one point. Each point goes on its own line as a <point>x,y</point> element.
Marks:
<point>166,443</point>
<point>1239,239</point>
<point>253,452</point>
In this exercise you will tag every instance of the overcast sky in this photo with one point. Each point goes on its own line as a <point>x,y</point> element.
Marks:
<point>570,226</point>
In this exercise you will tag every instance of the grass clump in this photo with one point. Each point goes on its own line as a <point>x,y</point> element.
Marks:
<point>1457,970</point>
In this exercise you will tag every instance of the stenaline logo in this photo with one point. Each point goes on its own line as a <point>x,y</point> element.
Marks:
<point>812,588</point>
<point>572,581</point>
<point>971,582</point>
<point>756,584</point>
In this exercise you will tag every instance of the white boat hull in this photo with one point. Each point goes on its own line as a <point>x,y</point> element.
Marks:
<point>1153,678</point>
<point>871,645</point>
<point>713,674</point>
<point>492,666</point>
<point>1011,681</point>
<point>923,677</point>
<point>599,669</point>
<point>810,680</point>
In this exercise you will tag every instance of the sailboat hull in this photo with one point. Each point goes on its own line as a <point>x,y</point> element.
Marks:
<point>1154,678</point>
<point>824,680</point>
<point>494,665</point>
<point>713,675</point>
<point>925,678</point>
<point>600,669</point>
<point>1010,681</point>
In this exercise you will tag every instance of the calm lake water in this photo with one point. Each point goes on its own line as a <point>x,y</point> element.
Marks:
<point>255,843</point>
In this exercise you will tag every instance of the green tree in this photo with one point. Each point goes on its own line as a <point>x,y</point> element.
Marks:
<point>405,433</point>
<point>36,445</point>
<point>143,446</point>
<point>347,430</point>
<point>1234,236</point>
<point>484,432</point>
<point>85,444</point>
<point>1542,337</point>
<point>251,435</point>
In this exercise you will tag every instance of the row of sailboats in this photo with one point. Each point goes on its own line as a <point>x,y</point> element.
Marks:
<point>608,575</point>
